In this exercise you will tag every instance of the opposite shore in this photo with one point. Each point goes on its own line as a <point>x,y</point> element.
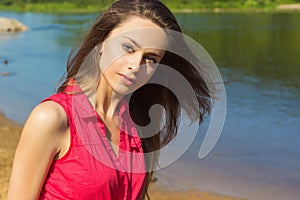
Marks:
<point>66,7</point>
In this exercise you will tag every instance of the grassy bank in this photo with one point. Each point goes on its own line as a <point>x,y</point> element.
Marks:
<point>64,7</point>
<point>175,5</point>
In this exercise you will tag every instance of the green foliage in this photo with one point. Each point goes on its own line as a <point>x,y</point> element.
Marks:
<point>92,5</point>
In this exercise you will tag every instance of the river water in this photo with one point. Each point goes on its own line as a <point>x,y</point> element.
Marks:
<point>258,153</point>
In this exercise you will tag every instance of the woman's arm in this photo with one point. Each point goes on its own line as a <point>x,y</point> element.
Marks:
<point>44,136</point>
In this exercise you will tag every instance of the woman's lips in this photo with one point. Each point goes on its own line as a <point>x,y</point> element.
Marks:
<point>126,80</point>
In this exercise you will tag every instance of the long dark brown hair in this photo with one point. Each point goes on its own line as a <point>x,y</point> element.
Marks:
<point>142,99</point>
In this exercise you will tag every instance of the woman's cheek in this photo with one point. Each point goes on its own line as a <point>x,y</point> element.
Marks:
<point>151,71</point>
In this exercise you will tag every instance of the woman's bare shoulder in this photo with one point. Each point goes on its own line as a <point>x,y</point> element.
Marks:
<point>49,113</point>
<point>47,120</point>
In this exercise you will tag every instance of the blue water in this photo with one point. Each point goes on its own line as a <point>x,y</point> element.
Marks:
<point>258,153</point>
<point>36,60</point>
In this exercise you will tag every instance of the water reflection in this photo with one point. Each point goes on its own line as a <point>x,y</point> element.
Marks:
<point>262,45</point>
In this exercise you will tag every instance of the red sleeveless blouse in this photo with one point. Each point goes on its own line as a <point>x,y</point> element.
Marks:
<point>90,169</point>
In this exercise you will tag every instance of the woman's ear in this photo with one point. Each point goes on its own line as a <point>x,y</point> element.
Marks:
<point>99,49</point>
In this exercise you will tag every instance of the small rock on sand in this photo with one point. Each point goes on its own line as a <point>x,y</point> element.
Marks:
<point>5,73</point>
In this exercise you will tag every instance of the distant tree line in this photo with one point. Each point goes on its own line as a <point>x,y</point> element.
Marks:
<point>85,2</point>
<point>168,2</point>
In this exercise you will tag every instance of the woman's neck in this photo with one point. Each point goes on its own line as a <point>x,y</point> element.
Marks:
<point>106,101</point>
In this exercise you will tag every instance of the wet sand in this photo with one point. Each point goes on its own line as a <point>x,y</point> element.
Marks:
<point>9,136</point>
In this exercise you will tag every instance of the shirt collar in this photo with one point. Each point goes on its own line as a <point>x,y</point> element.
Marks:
<point>84,107</point>
<point>85,110</point>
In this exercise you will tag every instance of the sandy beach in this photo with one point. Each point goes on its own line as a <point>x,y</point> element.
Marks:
<point>9,136</point>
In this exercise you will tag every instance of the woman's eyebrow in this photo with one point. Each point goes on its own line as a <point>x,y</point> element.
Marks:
<point>139,46</point>
<point>134,42</point>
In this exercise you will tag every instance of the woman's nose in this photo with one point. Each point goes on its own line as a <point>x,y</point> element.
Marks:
<point>133,68</point>
<point>135,62</point>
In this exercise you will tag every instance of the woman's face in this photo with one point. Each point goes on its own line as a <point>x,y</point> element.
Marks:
<point>130,55</point>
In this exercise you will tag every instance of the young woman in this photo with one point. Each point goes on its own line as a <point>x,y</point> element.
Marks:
<point>86,141</point>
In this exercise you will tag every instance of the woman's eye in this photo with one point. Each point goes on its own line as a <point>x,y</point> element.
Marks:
<point>128,48</point>
<point>151,60</point>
